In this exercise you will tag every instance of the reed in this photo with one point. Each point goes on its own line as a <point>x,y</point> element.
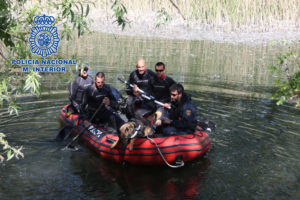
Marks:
<point>226,15</point>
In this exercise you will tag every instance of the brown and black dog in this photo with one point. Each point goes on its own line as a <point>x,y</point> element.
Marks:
<point>142,127</point>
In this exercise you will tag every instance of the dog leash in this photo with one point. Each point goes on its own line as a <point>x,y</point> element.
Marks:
<point>181,164</point>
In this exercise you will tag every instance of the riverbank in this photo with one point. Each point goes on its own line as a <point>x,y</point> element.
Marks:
<point>178,28</point>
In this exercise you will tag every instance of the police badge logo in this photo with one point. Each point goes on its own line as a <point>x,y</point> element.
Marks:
<point>44,38</point>
<point>188,112</point>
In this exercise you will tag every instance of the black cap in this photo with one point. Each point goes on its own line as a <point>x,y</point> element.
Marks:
<point>85,68</point>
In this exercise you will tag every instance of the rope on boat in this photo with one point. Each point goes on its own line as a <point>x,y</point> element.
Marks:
<point>181,164</point>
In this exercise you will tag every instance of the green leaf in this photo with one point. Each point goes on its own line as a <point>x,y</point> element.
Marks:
<point>9,155</point>
<point>87,10</point>
<point>81,8</point>
<point>64,12</point>
<point>72,15</point>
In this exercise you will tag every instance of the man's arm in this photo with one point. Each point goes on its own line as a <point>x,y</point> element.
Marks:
<point>83,107</point>
<point>73,86</point>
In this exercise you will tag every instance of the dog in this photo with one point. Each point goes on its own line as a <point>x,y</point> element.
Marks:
<point>132,129</point>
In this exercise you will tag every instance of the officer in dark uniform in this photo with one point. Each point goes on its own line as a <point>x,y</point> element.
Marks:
<point>77,87</point>
<point>143,79</point>
<point>182,116</point>
<point>93,97</point>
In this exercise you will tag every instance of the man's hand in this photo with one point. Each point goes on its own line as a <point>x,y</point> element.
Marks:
<point>135,90</point>
<point>167,121</point>
<point>106,101</point>
<point>167,105</point>
<point>158,122</point>
<point>86,123</point>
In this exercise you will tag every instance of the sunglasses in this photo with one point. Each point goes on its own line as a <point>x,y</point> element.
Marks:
<point>159,70</point>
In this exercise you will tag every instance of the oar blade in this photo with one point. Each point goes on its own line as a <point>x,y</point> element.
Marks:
<point>63,133</point>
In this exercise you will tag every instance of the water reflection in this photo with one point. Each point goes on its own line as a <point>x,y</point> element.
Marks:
<point>106,179</point>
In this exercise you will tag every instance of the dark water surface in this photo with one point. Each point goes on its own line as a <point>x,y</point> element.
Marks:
<point>255,149</point>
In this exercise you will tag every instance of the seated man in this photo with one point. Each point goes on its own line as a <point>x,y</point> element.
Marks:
<point>182,116</point>
<point>143,79</point>
<point>77,87</point>
<point>94,96</point>
<point>161,87</point>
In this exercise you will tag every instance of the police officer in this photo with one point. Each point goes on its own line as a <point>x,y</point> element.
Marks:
<point>93,97</point>
<point>77,87</point>
<point>182,116</point>
<point>142,78</point>
<point>162,86</point>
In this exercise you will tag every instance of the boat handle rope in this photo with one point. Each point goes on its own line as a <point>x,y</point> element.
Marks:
<point>162,156</point>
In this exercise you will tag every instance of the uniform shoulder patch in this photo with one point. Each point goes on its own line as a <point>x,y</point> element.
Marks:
<point>188,112</point>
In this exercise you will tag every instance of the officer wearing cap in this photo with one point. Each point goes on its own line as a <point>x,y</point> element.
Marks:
<point>77,88</point>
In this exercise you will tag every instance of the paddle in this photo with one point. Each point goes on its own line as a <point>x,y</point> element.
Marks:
<point>71,144</point>
<point>64,132</point>
<point>143,94</point>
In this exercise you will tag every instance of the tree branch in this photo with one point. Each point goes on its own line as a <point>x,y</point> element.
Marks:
<point>172,2</point>
<point>1,54</point>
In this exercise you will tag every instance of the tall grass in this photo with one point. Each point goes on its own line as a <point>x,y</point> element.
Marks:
<point>228,15</point>
<point>224,15</point>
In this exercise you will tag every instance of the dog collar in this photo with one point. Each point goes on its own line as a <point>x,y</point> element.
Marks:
<point>137,129</point>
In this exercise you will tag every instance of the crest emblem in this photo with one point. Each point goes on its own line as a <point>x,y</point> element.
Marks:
<point>44,38</point>
<point>188,112</point>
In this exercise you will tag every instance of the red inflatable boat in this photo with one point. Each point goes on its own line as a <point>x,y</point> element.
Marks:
<point>157,150</point>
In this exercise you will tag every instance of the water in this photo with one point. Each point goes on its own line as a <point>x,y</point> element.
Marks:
<point>255,150</point>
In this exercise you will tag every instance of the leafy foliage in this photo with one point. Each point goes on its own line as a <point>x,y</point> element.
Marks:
<point>32,83</point>
<point>289,89</point>
<point>119,12</point>
<point>16,19</point>
<point>8,151</point>
<point>75,14</point>
<point>162,18</point>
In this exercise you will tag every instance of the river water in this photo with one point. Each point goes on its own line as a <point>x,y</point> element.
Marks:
<point>255,149</point>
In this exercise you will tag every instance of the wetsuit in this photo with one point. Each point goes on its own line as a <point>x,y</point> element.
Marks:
<point>76,90</point>
<point>183,116</point>
<point>161,90</point>
<point>93,98</point>
<point>144,82</point>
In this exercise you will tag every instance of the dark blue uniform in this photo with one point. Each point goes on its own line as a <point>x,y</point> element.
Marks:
<point>93,98</point>
<point>76,90</point>
<point>182,116</point>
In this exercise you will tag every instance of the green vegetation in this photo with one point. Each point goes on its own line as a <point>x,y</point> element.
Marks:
<point>289,89</point>
<point>120,12</point>
<point>16,19</point>
<point>8,151</point>
<point>162,18</point>
<point>223,15</point>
